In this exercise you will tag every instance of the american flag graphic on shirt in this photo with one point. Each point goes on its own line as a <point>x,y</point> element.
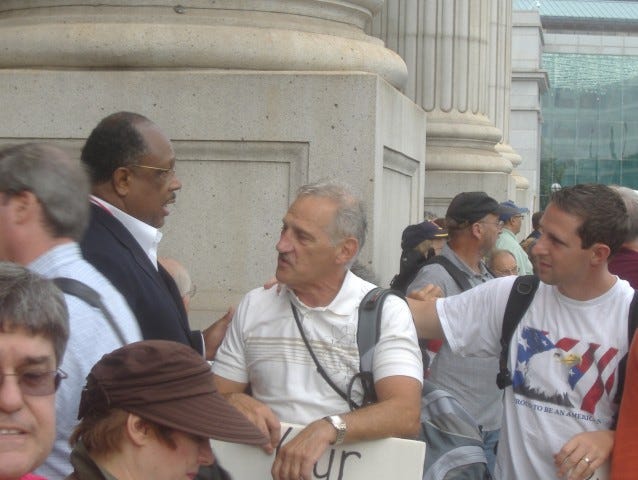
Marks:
<point>566,371</point>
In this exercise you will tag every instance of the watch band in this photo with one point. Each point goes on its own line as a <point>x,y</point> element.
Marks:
<point>340,425</point>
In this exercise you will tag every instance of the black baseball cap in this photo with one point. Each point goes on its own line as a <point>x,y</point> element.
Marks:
<point>471,207</point>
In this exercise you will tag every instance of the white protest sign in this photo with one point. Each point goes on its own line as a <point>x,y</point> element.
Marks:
<point>387,458</point>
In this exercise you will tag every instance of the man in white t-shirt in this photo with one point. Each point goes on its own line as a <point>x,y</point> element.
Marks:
<point>559,414</point>
<point>322,233</point>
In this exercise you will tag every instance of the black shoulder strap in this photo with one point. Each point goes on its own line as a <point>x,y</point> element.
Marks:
<point>320,370</point>
<point>368,331</point>
<point>455,272</point>
<point>632,323</point>
<point>520,298</point>
<point>82,291</point>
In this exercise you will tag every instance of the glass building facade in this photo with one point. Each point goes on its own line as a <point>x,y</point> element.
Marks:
<point>590,111</point>
<point>590,120</point>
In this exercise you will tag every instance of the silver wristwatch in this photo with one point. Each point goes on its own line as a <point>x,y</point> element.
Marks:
<point>340,425</point>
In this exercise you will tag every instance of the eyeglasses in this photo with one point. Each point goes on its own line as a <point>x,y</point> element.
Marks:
<point>191,293</point>
<point>37,383</point>
<point>169,172</point>
<point>506,271</point>
<point>499,225</point>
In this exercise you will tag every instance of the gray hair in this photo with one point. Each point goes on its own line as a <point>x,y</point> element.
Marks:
<point>630,198</point>
<point>350,218</point>
<point>60,184</point>
<point>32,303</point>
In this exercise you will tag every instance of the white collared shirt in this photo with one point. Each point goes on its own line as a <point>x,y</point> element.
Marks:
<point>147,236</point>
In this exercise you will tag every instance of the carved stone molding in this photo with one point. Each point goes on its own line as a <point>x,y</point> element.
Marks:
<point>275,35</point>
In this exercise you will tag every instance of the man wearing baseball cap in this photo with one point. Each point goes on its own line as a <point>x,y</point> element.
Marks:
<point>473,225</point>
<point>512,218</point>
<point>148,410</point>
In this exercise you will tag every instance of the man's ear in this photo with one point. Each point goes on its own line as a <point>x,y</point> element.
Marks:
<point>121,181</point>
<point>137,430</point>
<point>476,229</point>
<point>348,249</point>
<point>24,206</point>
<point>599,253</point>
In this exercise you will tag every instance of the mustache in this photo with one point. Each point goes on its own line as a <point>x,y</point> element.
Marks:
<point>283,257</point>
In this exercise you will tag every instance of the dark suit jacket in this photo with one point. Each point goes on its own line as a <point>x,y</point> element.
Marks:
<point>151,294</point>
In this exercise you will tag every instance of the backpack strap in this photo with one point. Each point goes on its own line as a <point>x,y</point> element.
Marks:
<point>368,331</point>
<point>74,287</point>
<point>520,298</point>
<point>455,272</point>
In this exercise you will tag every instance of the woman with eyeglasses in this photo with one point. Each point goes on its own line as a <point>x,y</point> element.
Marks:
<point>34,331</point>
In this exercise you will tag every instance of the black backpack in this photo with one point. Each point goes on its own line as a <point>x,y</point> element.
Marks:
<point>454,442</point>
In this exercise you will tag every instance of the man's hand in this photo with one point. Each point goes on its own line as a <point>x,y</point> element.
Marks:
<point>260,414</point>
<point>583,454</point>
<point>429,292</point>
<point>214,335</point>
<point>296,459</point>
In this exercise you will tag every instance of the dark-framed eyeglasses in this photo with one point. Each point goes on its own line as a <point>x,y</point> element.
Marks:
<point>168,172</point>
<point>37,383</point>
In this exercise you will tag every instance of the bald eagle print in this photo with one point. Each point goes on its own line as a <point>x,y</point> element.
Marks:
<point>565,372</point>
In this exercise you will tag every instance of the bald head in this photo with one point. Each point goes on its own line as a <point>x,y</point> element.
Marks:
<point>181,277</point>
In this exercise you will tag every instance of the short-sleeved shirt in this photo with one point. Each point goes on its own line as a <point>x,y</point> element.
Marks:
<point>563,356</point>
<point>264,347</point>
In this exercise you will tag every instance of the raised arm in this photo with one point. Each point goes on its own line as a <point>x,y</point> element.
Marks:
<point>423,307</point>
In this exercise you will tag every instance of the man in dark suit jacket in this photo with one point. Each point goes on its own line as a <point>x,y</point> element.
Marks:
<point>132,167</point>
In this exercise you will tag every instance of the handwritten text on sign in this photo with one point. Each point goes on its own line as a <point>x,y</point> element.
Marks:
<point>388,458</point>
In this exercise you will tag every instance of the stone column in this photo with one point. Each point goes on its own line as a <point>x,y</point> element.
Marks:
<point>499,93</point>
<point>258,96</point>
<point>447,45</point>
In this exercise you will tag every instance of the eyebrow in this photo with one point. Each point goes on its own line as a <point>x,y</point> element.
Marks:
<point>36,360</point>
<point>555,238</point>
<point>296,229</point>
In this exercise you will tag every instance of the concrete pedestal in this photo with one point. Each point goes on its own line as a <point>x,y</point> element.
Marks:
<point>244,141</point>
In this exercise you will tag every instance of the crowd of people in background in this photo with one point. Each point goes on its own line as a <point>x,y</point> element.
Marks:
<point>101,376</point>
